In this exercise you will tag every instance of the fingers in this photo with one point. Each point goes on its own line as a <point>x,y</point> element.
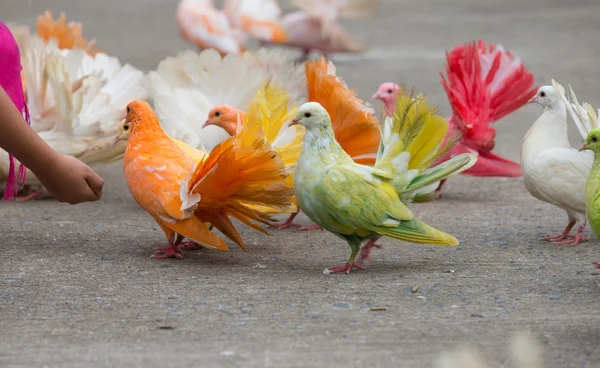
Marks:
<point>95,183</point>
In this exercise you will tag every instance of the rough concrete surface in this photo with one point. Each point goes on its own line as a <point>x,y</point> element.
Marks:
<point>78,288</point>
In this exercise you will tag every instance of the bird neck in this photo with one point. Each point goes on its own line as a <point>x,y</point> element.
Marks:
<point>550,130</point>
<point>321,142</point>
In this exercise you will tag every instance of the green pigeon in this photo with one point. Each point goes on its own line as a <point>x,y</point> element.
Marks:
<point>360,203</point>
<point>592,186</point>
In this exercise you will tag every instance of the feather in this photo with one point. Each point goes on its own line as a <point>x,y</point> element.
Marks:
<point>353,120</point>
<point>186,87</point>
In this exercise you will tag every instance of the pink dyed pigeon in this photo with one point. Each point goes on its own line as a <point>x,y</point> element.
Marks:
<point>484,83</point>
<point>10,80</point>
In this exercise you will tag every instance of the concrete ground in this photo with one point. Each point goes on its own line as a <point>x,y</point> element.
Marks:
<point>78,289</point>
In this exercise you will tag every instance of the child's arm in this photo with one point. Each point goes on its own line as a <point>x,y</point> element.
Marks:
<point>67,178</point>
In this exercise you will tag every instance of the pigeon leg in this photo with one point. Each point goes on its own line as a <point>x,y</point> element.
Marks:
<point>348,267</point>
<point>28,197</point>
<point>564,235</point>
<point>576,240</point>
<point>172,251</point>
<point>596,264</point>
<point>365,252</point>
<point>288,223</point>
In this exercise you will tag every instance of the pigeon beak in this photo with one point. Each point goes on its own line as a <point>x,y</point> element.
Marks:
<point>534,99</point>
<point>206,123</point>
<point>294,121</point>
<point>117,139</point>
<point>376,96</point>
<point>583,147</point>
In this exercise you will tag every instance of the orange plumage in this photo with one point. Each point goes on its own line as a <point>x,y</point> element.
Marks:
<point>354,123</point>
<point>183,196</point>
<point>69,36</point>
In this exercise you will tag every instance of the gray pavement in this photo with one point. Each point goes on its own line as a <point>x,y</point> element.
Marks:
<point>78,289</point>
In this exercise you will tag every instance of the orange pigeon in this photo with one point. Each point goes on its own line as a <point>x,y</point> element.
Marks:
<point>184,196</point>
<point>354,123</point>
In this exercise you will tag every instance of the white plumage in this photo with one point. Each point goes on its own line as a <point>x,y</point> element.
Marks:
<point>76,101</point>
<point>554,172</point>
<point>186,87</point>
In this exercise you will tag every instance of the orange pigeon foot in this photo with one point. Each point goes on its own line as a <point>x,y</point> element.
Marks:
<point>347,268</point>
<point>596,264</point>
<point>365,252</point>
<point>29,197</point>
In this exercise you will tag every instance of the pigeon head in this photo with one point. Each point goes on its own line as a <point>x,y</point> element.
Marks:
<point>546,96</point>
<point>592,142</point>
<point>312,116</point>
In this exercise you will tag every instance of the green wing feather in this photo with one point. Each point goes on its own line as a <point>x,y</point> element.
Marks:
<point>350,197</point>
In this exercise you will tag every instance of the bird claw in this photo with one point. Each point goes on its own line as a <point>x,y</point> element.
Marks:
<point>311,227</point>
<point>554,238</point>
<point>284,225</point>
<point>572,242</point>
<point>171,252</point>
<point>347,268</point>
<point>596,264</point>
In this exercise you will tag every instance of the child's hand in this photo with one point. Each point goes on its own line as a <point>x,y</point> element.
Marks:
<point>70,180</point>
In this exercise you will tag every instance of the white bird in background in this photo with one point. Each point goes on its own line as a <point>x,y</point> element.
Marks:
<point>228,30</point>
<point>186,87</point>
<point>76,102</point>
<point>554,172</point>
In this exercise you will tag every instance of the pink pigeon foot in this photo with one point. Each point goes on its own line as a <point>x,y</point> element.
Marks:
<point>365,252</point>
<point>576,239</point>
<point>347,268</point>
<point>288,223</point>
<point>172,251</point>
<point>312,227</point>
<point>596,264</point>
<point>564,235</point>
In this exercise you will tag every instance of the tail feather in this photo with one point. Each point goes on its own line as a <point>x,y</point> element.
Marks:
<point>484,83</point>
<point>69,36</point>
<point>197,231</point>
<point>584,116</point>
<point>353,121</point>
<point>417,231</point>
<point>243,182</point>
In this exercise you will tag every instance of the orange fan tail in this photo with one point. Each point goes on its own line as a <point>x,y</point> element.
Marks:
<point>246,183</point>
<point>354,123</point>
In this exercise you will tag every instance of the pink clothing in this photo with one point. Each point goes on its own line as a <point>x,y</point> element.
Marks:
<point>10,81</point>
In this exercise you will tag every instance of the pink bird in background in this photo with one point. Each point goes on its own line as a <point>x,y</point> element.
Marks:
<point>315,26</point>
<point>484,83</point>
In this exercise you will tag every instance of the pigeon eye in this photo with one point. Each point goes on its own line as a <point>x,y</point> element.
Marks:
<point>542,94</point>
<point>126,127</point>
<point>128,109</point>
<point>217,114</point>
<point>389,91</point>
<point>307,114</point>
<point>594,139</point>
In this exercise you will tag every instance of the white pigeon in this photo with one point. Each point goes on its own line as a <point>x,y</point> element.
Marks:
<point>76,103</point>
<point>186,87</point>
<point>554,172</point>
